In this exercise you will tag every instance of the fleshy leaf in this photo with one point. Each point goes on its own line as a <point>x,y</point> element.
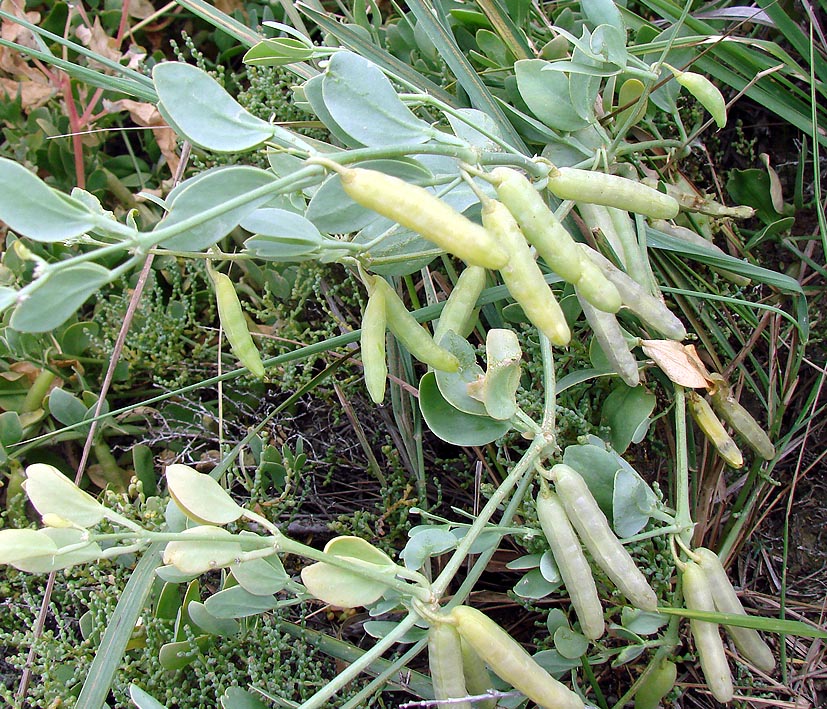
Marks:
<point>51,492</point>
<point>61,538</point>
<point>204,112</point>
<point>200,497</point>
<point>56,296</point>
<point>201,555</point>
<point>19,544</point>
<point>32,208</point>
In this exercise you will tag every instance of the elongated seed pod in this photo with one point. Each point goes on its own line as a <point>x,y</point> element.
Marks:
<point>748,640</point>
<point>651,311</point>
<point>713,429</point>
<point>374,324</point>
<point>458,312</point>
<point>708,644</point>
<point>418,209</point>
<point>597,289</point>
<point>571,562</point>
<point>477,679</point>
<point>234,324</point>
<point>523,277</point>
<point>539,225</point>
<point>610,338</point>
<point>656,685</point>
<point>740,419</point>
<point>409,332</point>
<point>612,191</point>
<point>510,662</point>
<point>596,534</point>
<point>445,663</point>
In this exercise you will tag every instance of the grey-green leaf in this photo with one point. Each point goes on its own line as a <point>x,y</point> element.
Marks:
<point>546,93</point>
<point>209,190</point>
<point>204,112</point>
<point>32,208</point>
<point>362,101</point>
<point>57,295</point>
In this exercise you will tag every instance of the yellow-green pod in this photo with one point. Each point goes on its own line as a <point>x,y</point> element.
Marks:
<point>713,429</point>
<point>611,191</point>
<point>445,663</point>
<point>409,332</point>
<point>523,277</point>
<point>597,536</point>
<point>597,289</point>
<point>710,648</point>
<point>656,685</point>
<point>235,325</point>
<point>740,419</point>
<point>510,662</point>
<point>372,339</point>
<point>458,312</point>
<point>539,225</point>
<point>748,640</point>
<point>609,336</point>
<point>571,562</point>
<point>704,91</point>
<point>477,679</point>
<point>422,211</point>
<point>651,311</point>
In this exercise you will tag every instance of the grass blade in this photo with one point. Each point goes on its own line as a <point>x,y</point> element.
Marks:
<point>118,631</point>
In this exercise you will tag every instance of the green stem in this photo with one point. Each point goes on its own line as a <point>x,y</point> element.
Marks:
<point>535,450</point>
<point>357,666</point>
<point>683,514</point>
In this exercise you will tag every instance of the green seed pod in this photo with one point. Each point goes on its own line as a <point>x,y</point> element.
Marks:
<point>612,191</point>
<point>651,311</point>
<point>523,276</point>
<point>596,534</point>
<point>597,289</point>
<point>421,211</point>
<point>740,419</point>
<point>714,430</point>
<point>235,326</point>
<point>656,685</point>
<point>445,662</point>
<point>459,309</point>
<point>710,648</point>
<point>610,338</point>
<point>571,562</point>
<point>374,324</point>
<point>510,662</point>
<point>409,332</point>
<point>477,679</point>
<point>539,225</point>
<point>748,640</point>
<point>704,91</point>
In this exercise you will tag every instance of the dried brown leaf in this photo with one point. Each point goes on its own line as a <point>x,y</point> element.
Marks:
<point>679,362</point>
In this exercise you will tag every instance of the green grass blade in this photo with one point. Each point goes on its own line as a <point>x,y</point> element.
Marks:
<point>770,625</point>
<point>506,28</point>
<point>222,21</point>
<point>468,79</point>
<point>794,35</point>
<point>119,629</point>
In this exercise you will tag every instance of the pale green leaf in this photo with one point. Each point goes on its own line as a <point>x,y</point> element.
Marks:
<point>204,112</point>
<point>29,207</point>
<point>200,497</point>
<point>56,295</point>
<point>51,492</point>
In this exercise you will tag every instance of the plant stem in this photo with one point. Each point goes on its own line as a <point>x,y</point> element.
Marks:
<point>683,515</point>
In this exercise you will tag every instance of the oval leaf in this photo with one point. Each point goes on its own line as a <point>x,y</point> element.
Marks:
<point>200,497</point>
<point>51,492</point>
<point>340,587</point>
<point>204,112</point>
<point>19,544</point>
<point>362,101</point>
<point>546,93</point>
<point>208,190</point>
<point>201,555</point>
<point>57,560</point>
<point>56,296</point>
<point>452,425</point>
<point>32,208</point>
